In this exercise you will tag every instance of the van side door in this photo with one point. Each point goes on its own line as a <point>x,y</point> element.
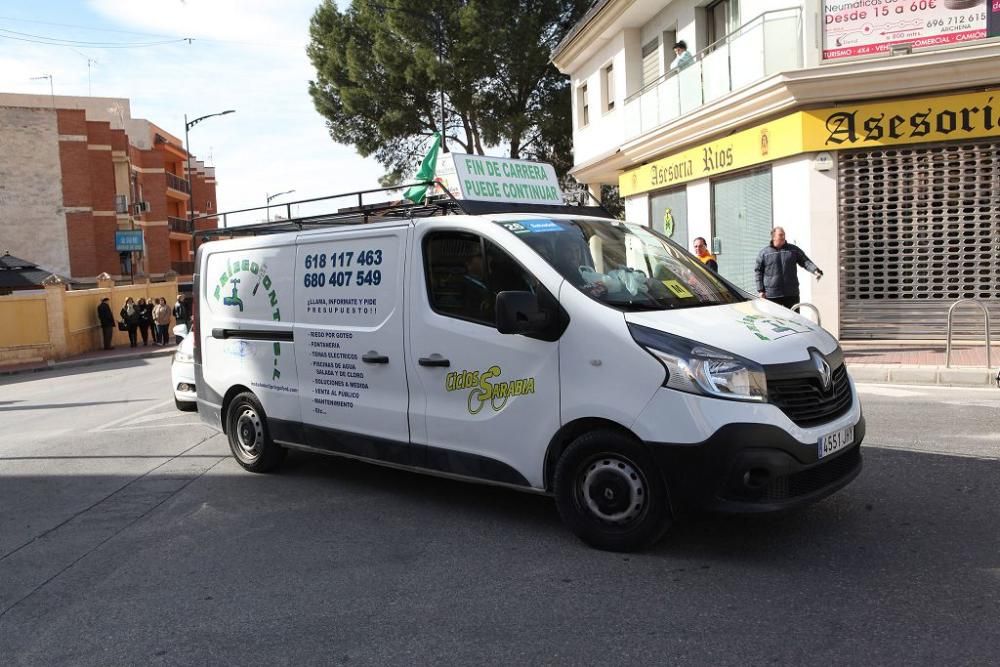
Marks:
<point>486,404</point>
<point>349,332</point>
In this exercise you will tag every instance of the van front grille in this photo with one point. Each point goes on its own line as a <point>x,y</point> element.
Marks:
<point>805,401</point>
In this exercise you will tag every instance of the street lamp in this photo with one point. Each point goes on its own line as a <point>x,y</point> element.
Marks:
<point>270,197</point>
<point>187,146</point>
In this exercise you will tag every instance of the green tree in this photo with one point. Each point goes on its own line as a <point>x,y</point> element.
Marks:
<point>380,65</point>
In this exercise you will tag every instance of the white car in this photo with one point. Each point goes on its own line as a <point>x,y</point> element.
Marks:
<point>182,373</point>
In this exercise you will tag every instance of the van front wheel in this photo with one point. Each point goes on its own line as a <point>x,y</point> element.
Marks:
<point>610,493</point>
<point>249,440</point>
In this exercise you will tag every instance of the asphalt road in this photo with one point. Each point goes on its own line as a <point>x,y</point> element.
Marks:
<point>128,536</point>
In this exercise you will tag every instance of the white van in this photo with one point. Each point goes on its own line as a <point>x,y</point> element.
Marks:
<point>559,353</point>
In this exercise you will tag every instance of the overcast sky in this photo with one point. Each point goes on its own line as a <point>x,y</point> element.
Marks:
<point>247,55</point>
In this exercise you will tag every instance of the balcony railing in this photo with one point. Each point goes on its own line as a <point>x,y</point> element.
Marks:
<point>179,225</point>
<point>177,183</point>
<point>766,45</point>
<point>182,268</point>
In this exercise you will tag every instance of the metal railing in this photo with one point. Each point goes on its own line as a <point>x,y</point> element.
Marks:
<point>177,183</point>
<point>765,45</point>
<point>179,225</point>
<point>986,320</point>
<point>805,304</point>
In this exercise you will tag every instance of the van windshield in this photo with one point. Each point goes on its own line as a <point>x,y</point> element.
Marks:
<point>624,266</point>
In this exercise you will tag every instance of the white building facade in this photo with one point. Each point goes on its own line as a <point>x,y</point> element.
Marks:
<point>868,129</point>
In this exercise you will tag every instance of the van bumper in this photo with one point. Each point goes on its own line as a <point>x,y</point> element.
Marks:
<point>751,468</point>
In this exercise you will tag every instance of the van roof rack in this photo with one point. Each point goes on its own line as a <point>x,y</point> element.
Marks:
<point>442,204</point>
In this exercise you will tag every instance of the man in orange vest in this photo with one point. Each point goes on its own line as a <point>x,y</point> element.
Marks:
<point>702,253</point>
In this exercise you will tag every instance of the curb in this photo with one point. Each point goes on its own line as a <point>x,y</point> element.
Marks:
<point>923,375</point>
<point>82,363</point>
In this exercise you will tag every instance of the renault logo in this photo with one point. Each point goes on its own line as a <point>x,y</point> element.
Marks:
<point>823,368</point>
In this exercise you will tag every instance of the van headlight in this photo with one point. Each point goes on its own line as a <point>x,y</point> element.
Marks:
<point>701,369</point>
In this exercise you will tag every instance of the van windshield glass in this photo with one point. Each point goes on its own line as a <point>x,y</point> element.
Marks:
<point>624,266</point>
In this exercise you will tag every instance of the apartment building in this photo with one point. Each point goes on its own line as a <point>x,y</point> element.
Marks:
<point>76,170</point>
<point>869,130</point>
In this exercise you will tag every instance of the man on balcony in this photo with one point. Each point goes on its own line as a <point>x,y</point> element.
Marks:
<point>683,58</point>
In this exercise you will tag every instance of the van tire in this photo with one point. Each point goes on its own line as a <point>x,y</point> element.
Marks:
<point>249,439</point>
<point>598,481</point>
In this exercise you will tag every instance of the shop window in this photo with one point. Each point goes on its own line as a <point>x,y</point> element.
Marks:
<point>668,215</point>
<point>742,218</point>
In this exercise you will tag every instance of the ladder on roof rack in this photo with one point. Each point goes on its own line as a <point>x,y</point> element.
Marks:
<point>365,213</point>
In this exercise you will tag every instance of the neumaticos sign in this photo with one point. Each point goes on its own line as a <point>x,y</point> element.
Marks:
<point>884,123</point>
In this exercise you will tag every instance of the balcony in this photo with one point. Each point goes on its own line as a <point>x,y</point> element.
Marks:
<point>179,225</point>
<point>178,183</point>
<point>769,44</point>
<point>182,268</point>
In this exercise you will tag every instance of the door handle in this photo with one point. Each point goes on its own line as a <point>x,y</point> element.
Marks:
<point>374,357</point>
<point>435,360</point>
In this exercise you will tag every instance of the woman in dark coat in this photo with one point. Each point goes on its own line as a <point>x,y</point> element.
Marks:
<point>130,315</point>
<point>145,319</point>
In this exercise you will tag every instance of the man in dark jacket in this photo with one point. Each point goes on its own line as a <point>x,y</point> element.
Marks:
<point>107,322</point>
<point>776,270</point>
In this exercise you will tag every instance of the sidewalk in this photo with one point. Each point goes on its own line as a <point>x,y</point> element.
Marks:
<point>921,362</point>
<point>95,358</point>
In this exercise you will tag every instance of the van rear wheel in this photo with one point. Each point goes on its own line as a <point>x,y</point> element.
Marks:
<point>249,440</point>
<point>610,493</point>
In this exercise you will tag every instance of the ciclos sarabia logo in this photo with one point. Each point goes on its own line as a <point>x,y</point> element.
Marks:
<point>246,277</point>
<point>482,388</point>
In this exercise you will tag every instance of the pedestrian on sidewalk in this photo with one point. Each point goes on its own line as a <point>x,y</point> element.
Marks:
<point>181,316</point>
<point>161,320</point>
<point>107,320</point>
<point>145,319</point>
<point>130,315</point>
<point>776,270</point>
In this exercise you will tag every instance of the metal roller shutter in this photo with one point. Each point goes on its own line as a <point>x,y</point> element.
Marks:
<point>741,207</point>
<point>919,228</point>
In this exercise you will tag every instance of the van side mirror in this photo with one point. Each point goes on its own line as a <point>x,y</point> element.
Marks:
<point>520,313</point>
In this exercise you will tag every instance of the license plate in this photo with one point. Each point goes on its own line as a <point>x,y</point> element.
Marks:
<point>834,442</point>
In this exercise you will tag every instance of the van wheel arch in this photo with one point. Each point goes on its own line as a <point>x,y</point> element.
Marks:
<point>570,432</point>
<point>233,392</point>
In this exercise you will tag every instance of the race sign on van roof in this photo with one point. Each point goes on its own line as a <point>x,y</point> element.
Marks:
<point>500,180</point>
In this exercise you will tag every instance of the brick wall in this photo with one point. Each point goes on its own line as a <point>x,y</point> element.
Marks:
<point>31,194</point>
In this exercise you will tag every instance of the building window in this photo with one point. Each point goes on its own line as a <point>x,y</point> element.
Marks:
<point>608,89</point>
<point>582,105</point>
<point>723,18</point>
<point>650,62</point>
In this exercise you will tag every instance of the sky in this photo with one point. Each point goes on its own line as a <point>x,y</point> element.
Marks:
<point>246,55</point>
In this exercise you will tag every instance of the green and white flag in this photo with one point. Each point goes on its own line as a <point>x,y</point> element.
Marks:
<point>417,193</point>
